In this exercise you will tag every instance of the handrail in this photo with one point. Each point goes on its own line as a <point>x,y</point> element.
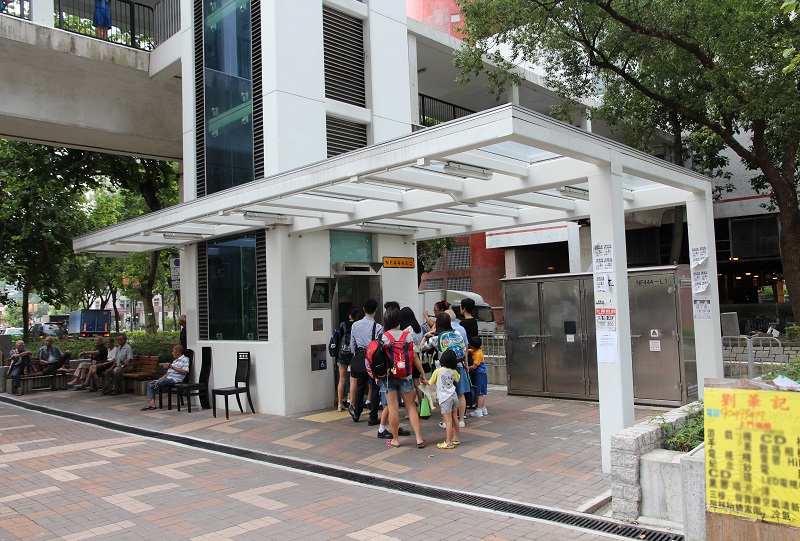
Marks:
<point>132,24</point>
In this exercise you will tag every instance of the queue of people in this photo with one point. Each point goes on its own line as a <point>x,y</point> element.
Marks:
<point>455,368</point>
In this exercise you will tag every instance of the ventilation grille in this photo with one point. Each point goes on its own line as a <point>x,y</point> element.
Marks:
<point>344,136</point>
<point>258,91</point>
<point>199,100</point>
<point>460,284</point>
<point>343,38</point>
<point>202,290</point>
<point>261,285</point>
<point>434,283</point>
<point>459,258</point>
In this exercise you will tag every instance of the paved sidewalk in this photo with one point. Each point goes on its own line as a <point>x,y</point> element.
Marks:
<point>532,450</point>
<point>61,479</point>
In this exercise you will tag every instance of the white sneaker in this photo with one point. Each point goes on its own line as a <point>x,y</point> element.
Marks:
<point>476,413</point>
<point>461,424</point>
<point>442,425</point>
<point>485,413</point>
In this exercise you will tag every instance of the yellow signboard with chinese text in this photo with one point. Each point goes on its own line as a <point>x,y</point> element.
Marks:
<point>398,262</point>
<point>753,454</point>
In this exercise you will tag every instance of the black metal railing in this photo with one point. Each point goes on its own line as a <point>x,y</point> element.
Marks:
<point>132,24</point>
<point>433,111</point>
<point>16,8</point>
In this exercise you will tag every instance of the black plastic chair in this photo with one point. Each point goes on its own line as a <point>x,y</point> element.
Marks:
<point>242,376</point>
<point>198,389</point>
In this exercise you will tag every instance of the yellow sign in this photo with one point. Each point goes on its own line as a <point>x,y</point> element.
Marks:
<point>753,454</point>
<point>398,262</point>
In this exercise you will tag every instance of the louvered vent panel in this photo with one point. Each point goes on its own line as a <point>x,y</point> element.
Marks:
<point>261,285</point>
<point>258,92</point>
<point>343,38</point>
<point>344,136</point>
<point>199,103</point>
<point>202,290</point>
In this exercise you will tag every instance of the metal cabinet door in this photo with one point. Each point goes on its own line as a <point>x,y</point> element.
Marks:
<point>654,337</point>
<point>523,330</point>
<point>590,338</point>
<point>561,314</point>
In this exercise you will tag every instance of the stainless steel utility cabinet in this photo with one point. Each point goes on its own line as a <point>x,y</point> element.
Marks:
<point>550,326</point>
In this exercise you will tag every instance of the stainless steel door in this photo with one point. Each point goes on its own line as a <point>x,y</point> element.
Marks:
<point>654,337</point>
<point>523,341</point>
<point>561,314</point>
<point>590,338</point>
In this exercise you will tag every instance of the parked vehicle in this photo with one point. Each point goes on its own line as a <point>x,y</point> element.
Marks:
<point>13,331</point>
<point>90,322</point>
<point>483,313</point>
<point>40,330</point>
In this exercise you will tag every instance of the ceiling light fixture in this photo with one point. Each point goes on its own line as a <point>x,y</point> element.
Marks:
<point>373,226</point>
<point>119,255</point>
<point>467,171</point>
<point>267,217</point>
<point>183,236</point>
<point>574,193</point>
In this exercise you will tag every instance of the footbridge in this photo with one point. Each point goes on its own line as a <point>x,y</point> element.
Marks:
<point>62,86</point>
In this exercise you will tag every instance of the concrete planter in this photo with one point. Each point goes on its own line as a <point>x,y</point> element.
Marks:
<point>673,489</point>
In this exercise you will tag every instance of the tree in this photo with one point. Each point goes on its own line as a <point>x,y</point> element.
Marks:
<point>716,66</point>
<point>42,209</point>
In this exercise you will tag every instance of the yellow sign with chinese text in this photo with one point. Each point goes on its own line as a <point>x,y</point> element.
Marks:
<point>398,262</point>
<point>753,454</point>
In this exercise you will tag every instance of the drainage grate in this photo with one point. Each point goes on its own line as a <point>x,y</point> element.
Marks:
<point>483,502</point>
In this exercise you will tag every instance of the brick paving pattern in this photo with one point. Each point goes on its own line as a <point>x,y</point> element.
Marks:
<point>67,480</point>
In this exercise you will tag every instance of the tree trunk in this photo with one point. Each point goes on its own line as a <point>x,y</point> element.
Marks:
<point>147,291</point>
<point>114,304</point>
<point>790,254</point>
<point>25,314</point>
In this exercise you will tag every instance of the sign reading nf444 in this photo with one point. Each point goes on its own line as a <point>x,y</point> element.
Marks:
<point>398,262</point>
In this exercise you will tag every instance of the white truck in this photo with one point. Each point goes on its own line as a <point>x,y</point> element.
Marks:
<point>483,312</point>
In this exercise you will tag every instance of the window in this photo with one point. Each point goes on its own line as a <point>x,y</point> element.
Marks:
<point>350,247</point>
<point>230,293</point>
<point>458,258</point>
<point>460,284</point>
<point>435,283</point>
<point>755,237</point>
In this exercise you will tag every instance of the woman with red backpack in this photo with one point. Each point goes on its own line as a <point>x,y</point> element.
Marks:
<point>400,347</point>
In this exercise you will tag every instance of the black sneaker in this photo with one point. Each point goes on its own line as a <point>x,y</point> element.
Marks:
<point>403,432</point>
<point>385,435</point>
<point>373,422</point>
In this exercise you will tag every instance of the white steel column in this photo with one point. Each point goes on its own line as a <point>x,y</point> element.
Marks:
<point>42,12</point>
<point>707,331</point>
<point>614,366</point>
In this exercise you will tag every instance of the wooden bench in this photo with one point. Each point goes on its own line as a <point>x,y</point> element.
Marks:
<point>145,369</point>
<point>39,382</point>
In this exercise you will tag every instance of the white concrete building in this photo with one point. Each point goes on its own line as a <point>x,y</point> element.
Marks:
<point>304,189</point>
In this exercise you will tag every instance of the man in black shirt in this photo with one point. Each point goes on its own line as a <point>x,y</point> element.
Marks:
<point>470,325</point>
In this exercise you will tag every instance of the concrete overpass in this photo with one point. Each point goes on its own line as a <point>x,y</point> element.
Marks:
<point>65,89</point>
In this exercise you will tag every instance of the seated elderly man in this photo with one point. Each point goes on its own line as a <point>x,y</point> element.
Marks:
<point>98,355</point>
<point>50,357</point>
<point>123,362</point>
<point>20,364</point>
<point>176,371</point>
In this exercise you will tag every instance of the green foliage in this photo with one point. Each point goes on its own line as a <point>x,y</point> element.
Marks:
<point>149,344</point>
<point>687,435</point>
<point>428,251</point>
<point>790,370</point>
<point>793,333</point>
<point>791,8</point>
<point>712,70</point>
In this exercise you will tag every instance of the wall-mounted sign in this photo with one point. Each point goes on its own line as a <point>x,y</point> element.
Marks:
<point>398,262</point>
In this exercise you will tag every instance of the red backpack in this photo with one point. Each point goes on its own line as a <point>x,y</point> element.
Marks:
<point>390,360</point>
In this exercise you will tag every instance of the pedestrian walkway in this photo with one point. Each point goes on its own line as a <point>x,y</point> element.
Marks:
<point>531,450</point>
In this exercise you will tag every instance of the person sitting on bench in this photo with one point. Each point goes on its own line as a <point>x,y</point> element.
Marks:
<point>176,371</point>
<point>50,357</point>
<point>20,364</point>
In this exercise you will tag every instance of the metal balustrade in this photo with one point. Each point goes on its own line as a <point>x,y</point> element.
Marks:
<point>745,357</point>
<point>132,24</point>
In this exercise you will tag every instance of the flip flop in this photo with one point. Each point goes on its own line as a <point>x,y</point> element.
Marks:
<point>148,408</point>
<point>422,444</point>
<point>390,444</point>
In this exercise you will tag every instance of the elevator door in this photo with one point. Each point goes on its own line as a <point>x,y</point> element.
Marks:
<point>523,337</point>
<point>590,337</point>
<point>561,313</point>
<point>654,337</point>
<point>352,291</point>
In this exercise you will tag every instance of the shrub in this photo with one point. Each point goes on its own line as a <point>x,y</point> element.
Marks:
<point>150,344</point>
<point>687,435</point>
<point>793,333</point>
<point>790,370</point>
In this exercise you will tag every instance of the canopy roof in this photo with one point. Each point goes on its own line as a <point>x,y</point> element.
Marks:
<point>498,169</point>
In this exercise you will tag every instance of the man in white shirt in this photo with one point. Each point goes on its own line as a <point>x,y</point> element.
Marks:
<point>176,371</point>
